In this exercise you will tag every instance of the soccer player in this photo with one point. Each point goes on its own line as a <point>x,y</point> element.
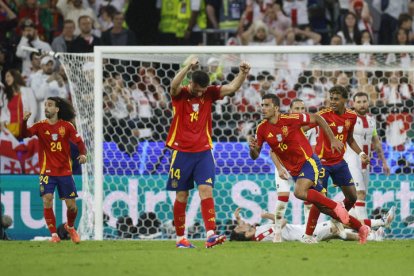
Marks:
<point>190,138</point>
<point>54,134</point>
<point>283,185</point>
<point>285,137</point>
<point>365,135</point>
<point>341,121</point>
<point>294,232</point>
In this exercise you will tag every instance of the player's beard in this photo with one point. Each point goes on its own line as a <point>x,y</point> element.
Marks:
<point>362,111</point>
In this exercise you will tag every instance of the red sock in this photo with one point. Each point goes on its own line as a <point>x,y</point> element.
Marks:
<point>367,222</point>
<point>348,204</point>
<point>312,220</point>
<point>314,196</point>
<point>283,198</point>
<point>179,217</point>
<point>50,219</point>
<point>354,223</point>
<point>71,216</point>
<point>208,213</point>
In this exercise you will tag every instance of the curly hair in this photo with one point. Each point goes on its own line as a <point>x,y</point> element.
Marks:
<point>66,111</point>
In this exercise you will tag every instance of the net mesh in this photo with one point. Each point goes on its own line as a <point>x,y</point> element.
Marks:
<point>137,115</point>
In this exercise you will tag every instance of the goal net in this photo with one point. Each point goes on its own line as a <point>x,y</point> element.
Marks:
<point>124,113</point>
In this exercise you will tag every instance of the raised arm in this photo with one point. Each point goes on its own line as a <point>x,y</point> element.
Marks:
<point>179,77</point>
<point>237,82</point>
<point>335,143</point>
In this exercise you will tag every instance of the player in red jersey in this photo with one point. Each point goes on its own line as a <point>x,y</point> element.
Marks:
<point>190,138</point>
<point>54,135</point>
<point>285,137</point>
<point>341,121</point>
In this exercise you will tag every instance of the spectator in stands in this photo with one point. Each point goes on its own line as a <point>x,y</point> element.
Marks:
<point>395,91</point>
<point>405,22</point>
<point>106,16</point>
<point>142,18</point>
<point>168,20</point>
<point>191,20</point>
<point>297,11</point>
<point>63,43</point>
<point>47,83</point>
<point>349,32</point>
<point>363,15</point>
<point>336,40</point>
<point>390,11</point>
<point>85,42</point>
<point>29,39</point>
<point>365,59</point>
<point>31,10</point>
<point>73,9</point>
<point>118,35</point>
<point>8,22</point>
<point>35,62</point>
<point>18,100</point>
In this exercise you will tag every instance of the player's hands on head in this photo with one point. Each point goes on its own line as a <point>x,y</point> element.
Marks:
<point>245,67</point>
<point>82,159</point>
<point>336,145</point>
<point>26,115</point>
<point>193,61</point>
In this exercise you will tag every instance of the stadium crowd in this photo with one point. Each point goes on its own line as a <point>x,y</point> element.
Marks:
<point>135,99</point>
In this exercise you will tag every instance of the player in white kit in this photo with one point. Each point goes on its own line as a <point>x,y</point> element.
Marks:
<point>284,180</point>
<point>294,232</point>
<point>365,134</point>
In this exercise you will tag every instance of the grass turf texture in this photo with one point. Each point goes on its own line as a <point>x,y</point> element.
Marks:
<point>233,258</point>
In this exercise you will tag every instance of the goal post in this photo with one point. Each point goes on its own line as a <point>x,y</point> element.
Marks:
<point>144,181</point>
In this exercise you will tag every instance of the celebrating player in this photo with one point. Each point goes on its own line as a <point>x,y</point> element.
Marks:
<point>285,137</point>
<point>54,135</point>
<point>190,138</point>
<point>365,134</point>
<point>283,185</point>
<point>341,121</point>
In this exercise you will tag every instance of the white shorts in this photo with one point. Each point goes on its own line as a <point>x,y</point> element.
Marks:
<point>360,177</point>
<point>282,185</point>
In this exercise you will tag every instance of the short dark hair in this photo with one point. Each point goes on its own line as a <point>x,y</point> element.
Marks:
<point>66,111</point>
<point>275,99</point>
<point>360,94</point>
<point>238,236</point>
<point>339,89</point>
<point>295,101</point>
<point>201,78</point>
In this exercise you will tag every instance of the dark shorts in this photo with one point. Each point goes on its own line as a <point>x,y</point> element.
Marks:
<point>65,186</point>
<point>310,170</point>
<point>189,167</point>
<point>340,174</point>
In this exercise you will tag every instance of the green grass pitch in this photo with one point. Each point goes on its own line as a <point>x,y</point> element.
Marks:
<point>233,258</point>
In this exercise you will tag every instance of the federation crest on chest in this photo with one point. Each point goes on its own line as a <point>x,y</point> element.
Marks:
<point>196,107</point>
<point>62,131</point>
<point>279,137</point>
<point>54,136</point>
<point>285,131</point>
<point>347,124</point>
<point>340,129</point>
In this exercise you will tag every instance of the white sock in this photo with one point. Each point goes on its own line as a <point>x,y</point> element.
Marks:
<point>377,223</point>
<point>280,213</point>
<point>352,212</point>
<point>210,233</point>
<point>179,238</point>
<point>306,210</point>
<point>361,209</point>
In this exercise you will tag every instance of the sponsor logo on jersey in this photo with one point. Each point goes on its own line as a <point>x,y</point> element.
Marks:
<point>332,124</point>
<point>72,194</point>
<point>47,132</point>
<point>209,181</point>
<point>270,135</point>
<point>302,174</point>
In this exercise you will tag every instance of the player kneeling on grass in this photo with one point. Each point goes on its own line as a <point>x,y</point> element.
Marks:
<point>54,135</point>
<point>294,232</point>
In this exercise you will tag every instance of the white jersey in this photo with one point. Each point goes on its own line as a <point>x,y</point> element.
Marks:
<point>364,130</point>
<point>293,232</point>
<point>283,185</point>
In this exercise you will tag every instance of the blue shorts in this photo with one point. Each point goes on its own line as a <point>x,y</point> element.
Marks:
<point>340,174</point>
<point>310,170</point>
<point>189,167</point>
<point>65,186</point>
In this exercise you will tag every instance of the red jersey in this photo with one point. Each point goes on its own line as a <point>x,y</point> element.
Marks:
<point>54,147</point>
<point>340,125</point>
<point>287,139</point>
<point>191,128</point>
